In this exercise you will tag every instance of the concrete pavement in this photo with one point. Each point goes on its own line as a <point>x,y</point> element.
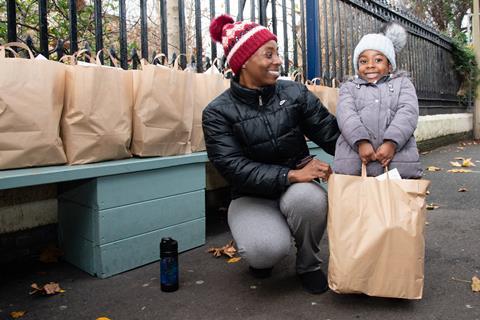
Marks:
<point>213,289</point>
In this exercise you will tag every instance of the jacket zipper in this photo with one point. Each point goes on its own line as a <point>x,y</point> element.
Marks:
<point>265,121</point>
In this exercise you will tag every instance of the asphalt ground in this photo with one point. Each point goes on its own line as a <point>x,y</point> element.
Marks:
<point>211,288</point>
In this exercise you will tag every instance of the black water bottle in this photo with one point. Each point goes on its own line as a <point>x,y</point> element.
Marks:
<point>168,264</point>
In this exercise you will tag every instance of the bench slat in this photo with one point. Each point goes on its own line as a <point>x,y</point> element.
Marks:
<point>16,178</point>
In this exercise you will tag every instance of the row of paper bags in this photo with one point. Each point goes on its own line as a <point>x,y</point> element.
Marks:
<point>53,113</point>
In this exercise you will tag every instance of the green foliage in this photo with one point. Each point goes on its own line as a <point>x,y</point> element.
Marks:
<point>3,21</point>
<point>465,65</point>
<point>58,22</point>
<point>446,15</point>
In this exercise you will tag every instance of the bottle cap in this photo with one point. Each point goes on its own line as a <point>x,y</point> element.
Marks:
<point>168,245</point>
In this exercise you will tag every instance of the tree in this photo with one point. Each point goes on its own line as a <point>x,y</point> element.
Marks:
<point>446,15</point>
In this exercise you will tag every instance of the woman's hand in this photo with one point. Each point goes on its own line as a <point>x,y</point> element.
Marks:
<point>312,170</point>
<point>366,152</point>
<point>386,152</point>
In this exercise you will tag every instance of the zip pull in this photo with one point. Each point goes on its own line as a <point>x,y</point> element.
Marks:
<point>260,101</point>
<point>390,87</point>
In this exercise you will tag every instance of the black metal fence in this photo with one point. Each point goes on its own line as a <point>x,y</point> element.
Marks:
<point>316,38</point>
<point>427,55</point>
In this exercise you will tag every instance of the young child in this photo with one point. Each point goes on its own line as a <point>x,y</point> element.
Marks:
<point>377,111</point>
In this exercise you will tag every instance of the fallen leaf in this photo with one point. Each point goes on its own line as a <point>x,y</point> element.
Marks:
<point>17,314</point>
<point>462,189</point>
<point>228,250</point>
<point>234,259</point>
<point>455,164</point>
<point>103,318</point>
<point>424,153</point>
<point>433,168</point>
<point>475,284</point>
<point>50,254</point>
<point>48,289</point>
<point>468,163</point>
<point>432,206</point>
<point>459,171</point>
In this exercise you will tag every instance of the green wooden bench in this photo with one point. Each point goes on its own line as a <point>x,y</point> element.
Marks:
<point>112,215</point>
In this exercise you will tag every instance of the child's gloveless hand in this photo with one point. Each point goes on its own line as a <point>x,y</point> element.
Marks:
<point>385,153</point>
<point>366,152</point>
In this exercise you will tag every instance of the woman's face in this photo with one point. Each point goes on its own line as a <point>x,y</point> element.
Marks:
<point>373,65</point>
<point>262,68</point>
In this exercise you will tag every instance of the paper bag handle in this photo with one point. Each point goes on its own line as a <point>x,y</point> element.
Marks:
<point>9,45</point>
<point>364,171</point>
<point>81,52</point>
<point>158,56</point>
<point>99,62</point>
<point>2,54</point>
<point>72,59</point>
<point>175,64</point>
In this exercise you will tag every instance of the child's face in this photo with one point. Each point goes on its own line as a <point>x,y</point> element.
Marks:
<point>373,65</point>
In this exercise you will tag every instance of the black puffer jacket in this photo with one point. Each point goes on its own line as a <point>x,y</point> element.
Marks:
<point>254,137</point>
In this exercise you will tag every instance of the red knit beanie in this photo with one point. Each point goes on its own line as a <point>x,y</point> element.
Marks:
<point>240,40</point>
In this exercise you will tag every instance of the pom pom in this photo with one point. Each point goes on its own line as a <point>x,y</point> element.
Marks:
<point>397,34</point>
<point>217,24</point>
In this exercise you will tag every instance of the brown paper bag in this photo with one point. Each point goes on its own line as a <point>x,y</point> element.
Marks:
<point>31,102</point>
<point>97,119</point>
<point>327,95</point>
<point>375,233</point>
<point>207,86</point>
<point>163,111</point>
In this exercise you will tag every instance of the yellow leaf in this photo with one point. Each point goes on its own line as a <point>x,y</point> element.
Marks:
<point>468,163</point>
<point>233,260</point>
<point>455,164</point>
<point>103,318</point>
<point>433,168</point>
<point>17,314</point>
<point>228,250</point>
<point>462,189</point>
<point>432,206</point>
<point>475,284</point>
<point>49,288</point>
<point>459,171</point>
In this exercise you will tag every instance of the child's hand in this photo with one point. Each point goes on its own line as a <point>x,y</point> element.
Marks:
<point>386,152</point>
<point>366,152</point>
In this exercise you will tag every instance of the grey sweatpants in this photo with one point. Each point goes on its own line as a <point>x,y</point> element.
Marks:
<point>263,228</point>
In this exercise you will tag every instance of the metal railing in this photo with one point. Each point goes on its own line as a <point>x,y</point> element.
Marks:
<point>333,29</point>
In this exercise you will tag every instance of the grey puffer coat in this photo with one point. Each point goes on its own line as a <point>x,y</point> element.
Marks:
<point>387,110</point>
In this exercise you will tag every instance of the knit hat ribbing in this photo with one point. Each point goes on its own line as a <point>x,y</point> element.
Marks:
<point>240,40</point>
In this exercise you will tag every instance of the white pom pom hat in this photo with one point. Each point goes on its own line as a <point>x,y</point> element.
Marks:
<point>393,39</point>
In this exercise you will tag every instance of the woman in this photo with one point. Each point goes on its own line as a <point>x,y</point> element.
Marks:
<point>255,137</point>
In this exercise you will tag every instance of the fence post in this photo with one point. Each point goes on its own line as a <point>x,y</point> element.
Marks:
<point>476,47</point>
<point>313,54</point>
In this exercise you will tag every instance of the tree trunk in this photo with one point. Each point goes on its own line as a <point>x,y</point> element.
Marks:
<point>173,31</point>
